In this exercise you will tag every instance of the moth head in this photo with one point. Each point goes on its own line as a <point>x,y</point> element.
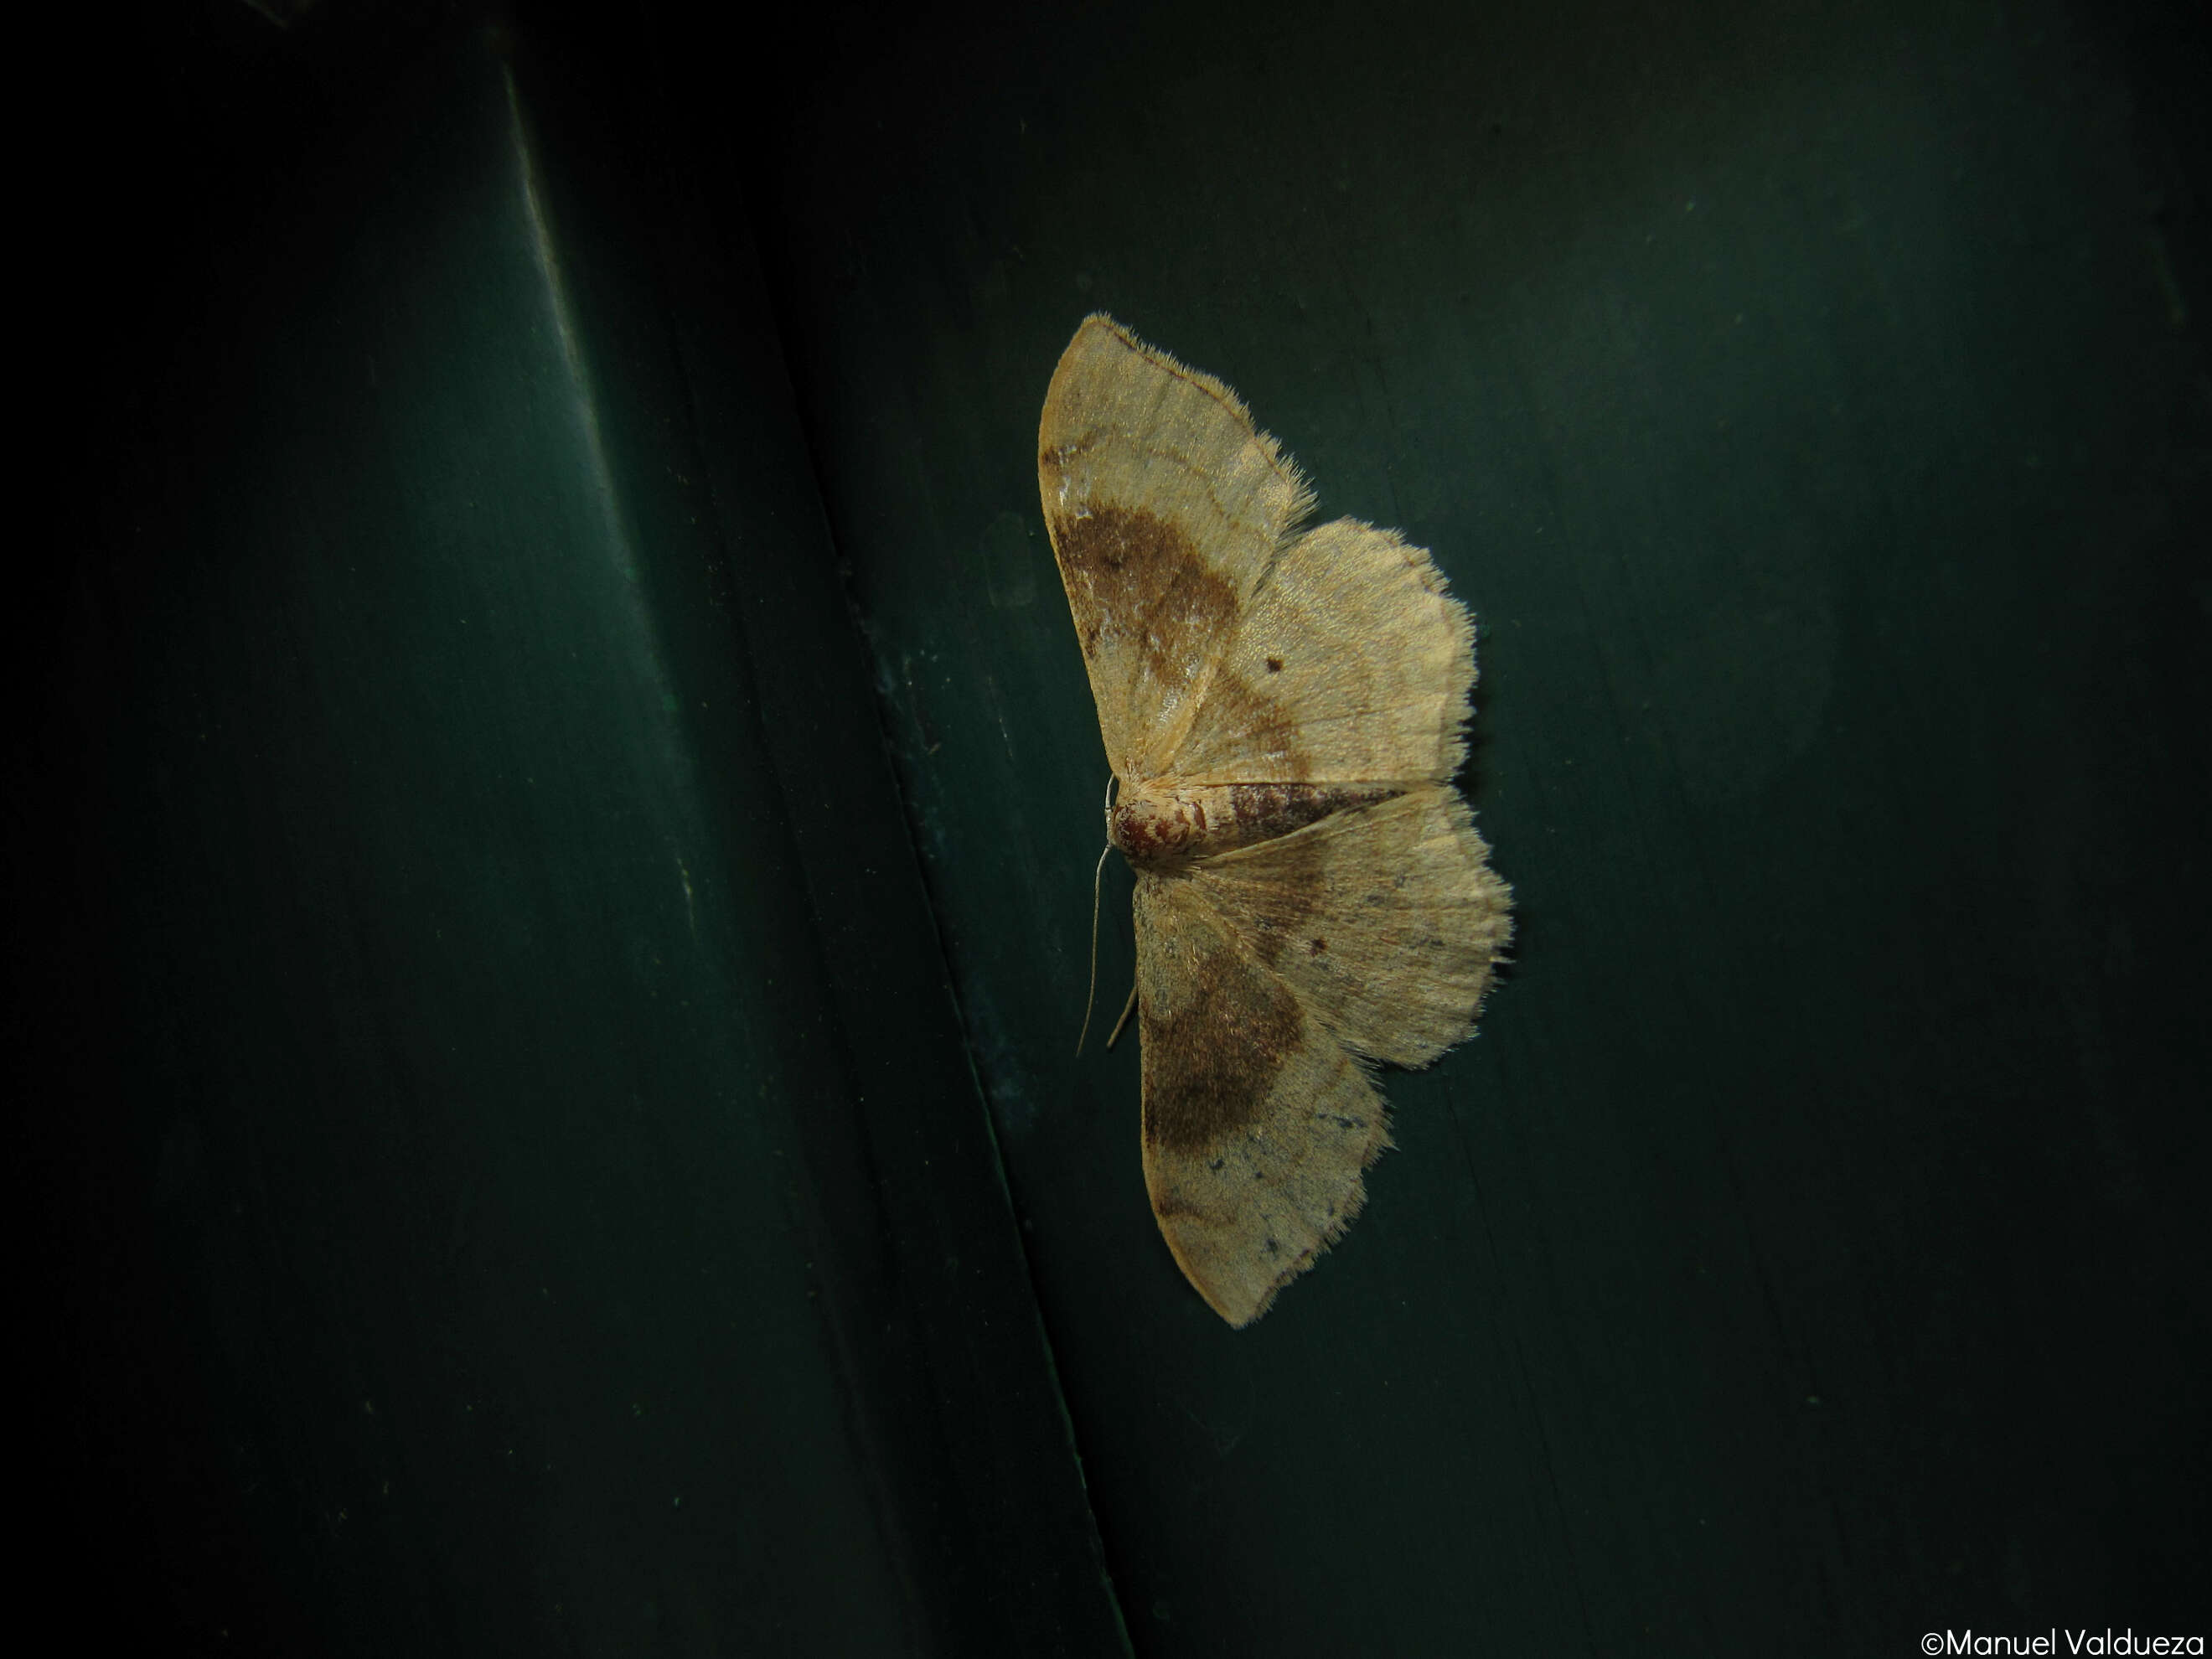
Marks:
<point>1153,830</point>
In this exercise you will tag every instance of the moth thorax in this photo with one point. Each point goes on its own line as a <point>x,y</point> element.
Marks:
<point>1151,828</point>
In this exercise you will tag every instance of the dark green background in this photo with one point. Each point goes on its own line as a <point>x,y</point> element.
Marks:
<point>552,906</point>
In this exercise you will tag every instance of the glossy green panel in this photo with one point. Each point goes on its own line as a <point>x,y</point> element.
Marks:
<point>552,904</point>
<point>548,1160</point>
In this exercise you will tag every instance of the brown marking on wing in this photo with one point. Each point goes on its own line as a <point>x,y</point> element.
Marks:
<point>1210,1066</point>
<point>1143,582</point>
<point>1147,584</point>
<point>1280,909</point>
<point>1270,730</point>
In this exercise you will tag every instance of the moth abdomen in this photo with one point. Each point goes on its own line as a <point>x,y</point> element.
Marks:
<point>1155,826</point>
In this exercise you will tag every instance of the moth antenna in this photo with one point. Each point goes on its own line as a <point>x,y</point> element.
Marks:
<point>1127,1008</point>
<point>1096,876</point>
<point>1092,995</point>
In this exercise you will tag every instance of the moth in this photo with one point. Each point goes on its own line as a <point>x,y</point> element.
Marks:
<point>1283,709</point>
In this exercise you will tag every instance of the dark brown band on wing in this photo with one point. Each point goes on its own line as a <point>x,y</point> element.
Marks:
<point>1210,1067</point>
<point>1143,582</point>
<point>1278,908</point>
